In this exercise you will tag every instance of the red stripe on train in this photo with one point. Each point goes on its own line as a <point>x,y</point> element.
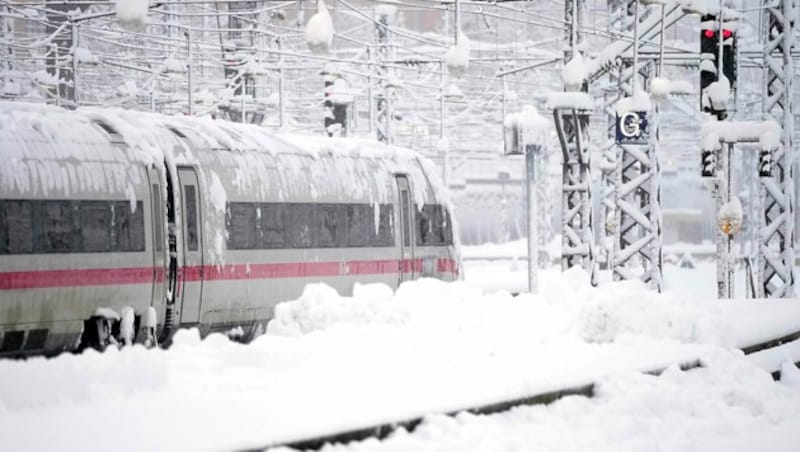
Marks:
<point>143,275</point>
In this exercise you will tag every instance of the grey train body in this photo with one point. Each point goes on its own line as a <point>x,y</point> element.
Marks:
<point>123,226</point>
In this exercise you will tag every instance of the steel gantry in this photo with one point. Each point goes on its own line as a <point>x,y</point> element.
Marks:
<point>776,241</point>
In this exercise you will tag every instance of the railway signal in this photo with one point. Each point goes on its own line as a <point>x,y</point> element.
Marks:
<point>710,55</point>
<point>708,164</point>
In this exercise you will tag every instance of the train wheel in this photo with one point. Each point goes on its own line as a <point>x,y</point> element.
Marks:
<point>97,334</point>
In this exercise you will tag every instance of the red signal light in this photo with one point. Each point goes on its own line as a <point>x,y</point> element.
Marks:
<point>727,34</point>
<point>709,34</point>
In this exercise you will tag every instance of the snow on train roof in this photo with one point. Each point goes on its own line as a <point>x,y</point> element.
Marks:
<point>153,138</point>
<point>47,150</point>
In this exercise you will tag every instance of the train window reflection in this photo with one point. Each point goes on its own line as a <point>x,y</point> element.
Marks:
<point>191,217</point>
<point>96,226</point>
<point>66,226</point>
<point>273,219</point>
<point>56,227</point>
<point>307,225</point>
<point>433,226</point>
<point>16,227</point>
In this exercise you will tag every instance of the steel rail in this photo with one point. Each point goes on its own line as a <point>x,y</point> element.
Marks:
<point>383,430</point>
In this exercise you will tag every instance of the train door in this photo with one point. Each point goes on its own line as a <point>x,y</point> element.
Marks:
<point>192,267</point>
<point>406,218</point>
<point>157,202</point>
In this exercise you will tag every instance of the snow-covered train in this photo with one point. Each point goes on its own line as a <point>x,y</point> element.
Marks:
<point>120,226</point>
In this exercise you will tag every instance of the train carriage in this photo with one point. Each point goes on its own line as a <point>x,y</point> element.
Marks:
<point>122,226</point>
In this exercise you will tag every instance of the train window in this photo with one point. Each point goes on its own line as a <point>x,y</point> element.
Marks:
<point>330,224</point>
<point>406,211</point>
<point>273,226</point>
<point>158,224</point>
<point>128,226</point>
<point>242,226</point>
<point>306,225</point>
<point>359,218</point>
<point>95,227</point>
<point>16,227</point>
<point>56,227</point>
<point>385,235</point>
<point>433,226</point>
<point>191,217</point>
<point>300,225</point>
<point>448,228</point>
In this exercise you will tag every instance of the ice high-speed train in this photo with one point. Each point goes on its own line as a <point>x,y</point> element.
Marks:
<point>120,226</point>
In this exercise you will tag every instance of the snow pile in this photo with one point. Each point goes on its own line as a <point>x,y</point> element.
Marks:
<point>574,73</point>
<point>576,100</point>
<point>319,30</point>
<point>729,217</point>
<point>662,87</point>
<point>629,308</point>
<point>131,14</point>
<point>640,101</point>
<point>718,93</point>
<point>457,57</point>
<point>321,307</point>
<point>331,363</point>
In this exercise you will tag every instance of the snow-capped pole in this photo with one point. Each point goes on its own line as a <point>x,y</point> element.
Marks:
<point>131,14</point>
<point>319,30</point>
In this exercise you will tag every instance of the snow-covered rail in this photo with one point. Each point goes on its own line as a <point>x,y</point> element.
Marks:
<point>767,354</point>
<point>382,431</point>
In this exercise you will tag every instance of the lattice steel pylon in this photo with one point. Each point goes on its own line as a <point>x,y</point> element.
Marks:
<point>618,87</point>
<point>776,241</point>
<point>577,240</point>
<point>572,124</point>
<point>638,214</point>
<point>384,113</point>
<point>7,63</point>
<point>638,234</point>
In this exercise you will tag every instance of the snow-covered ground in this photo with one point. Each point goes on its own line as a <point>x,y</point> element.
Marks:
<point>329,363</point>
